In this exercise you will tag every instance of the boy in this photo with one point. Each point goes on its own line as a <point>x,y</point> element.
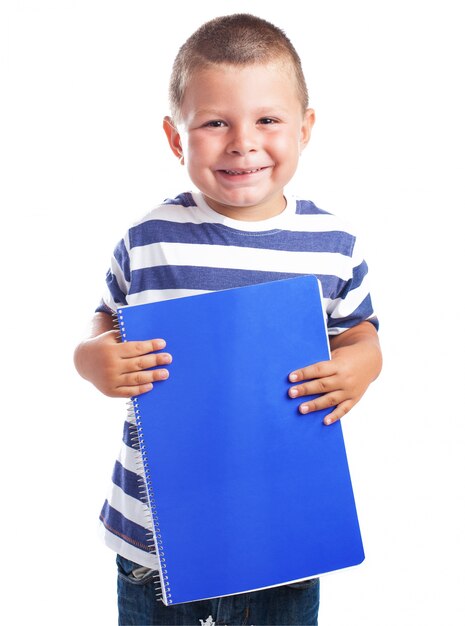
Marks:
<point>239,122</point>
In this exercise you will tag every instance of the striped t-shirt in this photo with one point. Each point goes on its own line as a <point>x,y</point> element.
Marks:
<point>183,248</point>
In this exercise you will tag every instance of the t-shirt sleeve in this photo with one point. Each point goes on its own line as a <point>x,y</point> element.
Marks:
<point>352,304</point>
<point>117,279</point>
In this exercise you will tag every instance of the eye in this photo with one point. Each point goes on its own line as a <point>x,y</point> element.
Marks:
<point>215,124</point>
<point>267,120</point>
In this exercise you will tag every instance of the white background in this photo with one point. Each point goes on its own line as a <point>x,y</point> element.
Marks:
<point>82,155</point>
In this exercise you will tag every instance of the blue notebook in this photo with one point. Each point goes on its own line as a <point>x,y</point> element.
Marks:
<point>244,491</point>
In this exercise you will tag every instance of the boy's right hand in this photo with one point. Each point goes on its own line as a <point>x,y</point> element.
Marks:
<point>120,370</point>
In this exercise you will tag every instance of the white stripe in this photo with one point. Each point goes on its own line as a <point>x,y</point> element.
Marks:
<point>158,295</point>
<point>130,459</point>
<point>235,257</point>
<point>317,223</point>
<point>177,214</point>
<point>131,508</point>
<point>288,220</point>
<point>340,308</point>
<point>326,304</point>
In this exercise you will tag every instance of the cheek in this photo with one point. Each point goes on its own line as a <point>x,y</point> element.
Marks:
<point>287,145</point>
<point>198,158</point>
<point>202,148</point>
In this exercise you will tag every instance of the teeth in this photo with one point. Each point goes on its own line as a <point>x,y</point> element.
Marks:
<point>238,172</point>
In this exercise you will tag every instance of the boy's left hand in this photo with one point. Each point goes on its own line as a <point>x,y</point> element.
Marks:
<point>355,363</point>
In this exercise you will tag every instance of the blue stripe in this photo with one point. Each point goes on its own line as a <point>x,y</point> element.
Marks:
<point>202,278</point>
<point>216,279</point>
<point>113,287</point>
<point>359,274</point>
<point>128,481</point>
<point>184,199</point>
<point>122,257</point>
<point>103,308</point>
<point>119,525</point>
<point>306,207</point>
<point>130,435</point>
<point>345,287</point>
<point>156,231</point>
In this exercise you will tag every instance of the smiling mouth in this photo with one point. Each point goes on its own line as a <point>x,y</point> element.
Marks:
<point>243,172</point>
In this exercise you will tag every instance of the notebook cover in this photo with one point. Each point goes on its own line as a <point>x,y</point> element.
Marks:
<point>245,491</point>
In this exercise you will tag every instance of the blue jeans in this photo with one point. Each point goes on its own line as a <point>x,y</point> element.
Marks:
<point>295,604</point>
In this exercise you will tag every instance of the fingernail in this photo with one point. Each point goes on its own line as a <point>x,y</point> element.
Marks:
<point>293,377</point>
<point>328,421</point>
<point>304,408</point>
<point>293,392</point>
<point>166,358</point>
<point>164,373</point>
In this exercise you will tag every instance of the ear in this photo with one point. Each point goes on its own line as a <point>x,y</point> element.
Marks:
<point>307,125</point>
<point>174,138</point>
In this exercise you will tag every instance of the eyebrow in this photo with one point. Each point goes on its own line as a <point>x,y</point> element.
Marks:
<point>208,113</point>
<point>263,110</point>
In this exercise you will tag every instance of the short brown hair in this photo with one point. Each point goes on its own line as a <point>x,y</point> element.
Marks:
<point>239,39</point>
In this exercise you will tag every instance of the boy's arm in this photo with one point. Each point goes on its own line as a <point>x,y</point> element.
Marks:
<point>355,363</point>
<point>119,370</point>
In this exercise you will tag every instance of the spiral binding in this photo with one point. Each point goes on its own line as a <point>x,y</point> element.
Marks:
<point>154,538</point>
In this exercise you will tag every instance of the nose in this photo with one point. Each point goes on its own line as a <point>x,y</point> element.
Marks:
<point>242,140</point>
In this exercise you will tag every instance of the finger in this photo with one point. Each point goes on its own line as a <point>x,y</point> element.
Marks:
<point>143,377</point>
<point>146,361</point>
<point>137,348</point>
<point>339,412</point>
<point>317,370</point>
<point>129,392</point>
<point>313,387</point>
<point>322,402</point>
<point>137,383</point>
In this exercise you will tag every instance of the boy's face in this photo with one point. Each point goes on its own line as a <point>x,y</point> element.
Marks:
<point>240,135</point>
